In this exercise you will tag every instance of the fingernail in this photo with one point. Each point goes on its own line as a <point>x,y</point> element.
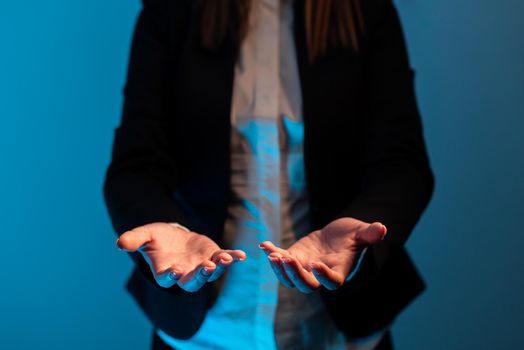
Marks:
<point>285,260</point>
<point>117,247</point>
<point>260,246</point>
<point>205,271</point>
<point>173,275</point>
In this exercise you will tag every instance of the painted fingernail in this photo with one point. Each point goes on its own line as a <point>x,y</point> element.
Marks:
<point>205,271</point>
<point>286,260</point>
<point>173,275</point>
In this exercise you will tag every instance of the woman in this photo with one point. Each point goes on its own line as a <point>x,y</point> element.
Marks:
<point>267,141</point>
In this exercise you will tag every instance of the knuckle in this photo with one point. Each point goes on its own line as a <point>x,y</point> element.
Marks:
<point>286,283</point>
<point>158,271</point>
<point>331,286</point>
<point>184,287</point>
<point>163,283</point>
<point>190,288</point>
<point>304,290</point>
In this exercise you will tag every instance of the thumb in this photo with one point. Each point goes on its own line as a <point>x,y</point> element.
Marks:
<point>372,234</point>
<point>134,239</point>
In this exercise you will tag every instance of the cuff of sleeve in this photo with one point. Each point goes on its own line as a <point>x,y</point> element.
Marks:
<point>177,225</point>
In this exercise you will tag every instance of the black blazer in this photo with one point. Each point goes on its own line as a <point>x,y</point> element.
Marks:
<point>364,155</point>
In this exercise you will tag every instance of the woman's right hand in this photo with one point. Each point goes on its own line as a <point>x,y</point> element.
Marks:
<point>176,256</point>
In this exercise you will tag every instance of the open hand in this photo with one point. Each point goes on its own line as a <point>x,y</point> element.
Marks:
<point>176,256</point>
<point>324,257</point>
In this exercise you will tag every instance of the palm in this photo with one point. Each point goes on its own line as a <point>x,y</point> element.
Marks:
<point>176,256</point>
<point>335,245</point>
<point>184,249</point>
<point>324,256</point>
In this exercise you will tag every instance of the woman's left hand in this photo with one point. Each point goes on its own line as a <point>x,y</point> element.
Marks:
<point>324,257</point>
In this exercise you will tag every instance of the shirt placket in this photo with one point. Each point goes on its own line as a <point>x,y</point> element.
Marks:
<point>266,112</point>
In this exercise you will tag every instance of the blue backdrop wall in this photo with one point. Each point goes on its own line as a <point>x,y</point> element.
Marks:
<point>62,69</point>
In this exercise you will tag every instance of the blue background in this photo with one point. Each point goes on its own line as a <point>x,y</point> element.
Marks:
<point>62,69</point>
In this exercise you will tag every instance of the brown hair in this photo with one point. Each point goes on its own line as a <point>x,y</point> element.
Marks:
<point>327,22</point>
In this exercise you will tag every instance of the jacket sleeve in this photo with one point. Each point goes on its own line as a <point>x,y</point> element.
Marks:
<point>140,179</point>
<point>397,182</point>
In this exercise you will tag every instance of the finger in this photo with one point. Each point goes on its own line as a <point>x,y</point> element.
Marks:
<point>304,280</point>
<point>279,255</point>
<point>372,234</point>
<point>161,271</point>
<point>134,239</point>
<point>169,278</point>
<point>219,271</point>
<point>222,257</point>
<point>278,269</point>
<point>222,261</point>
<point>194,280</point>
<point>237,254</point>
<point>268,247</point>
<point>327,277</point>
